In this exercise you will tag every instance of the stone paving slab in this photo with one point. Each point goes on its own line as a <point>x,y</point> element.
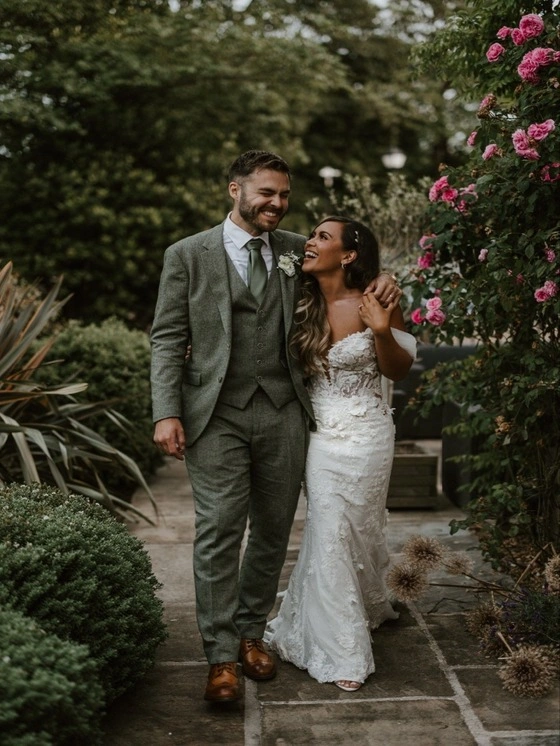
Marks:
<point>367,723</point>
<point>166,708</point>
<point>458,648</point>
<point>172,566</point>
<point>526,740</point>
<point>184,642</point>
<point>432,686</point>
<point>394,650</point>
<point>497,708</point>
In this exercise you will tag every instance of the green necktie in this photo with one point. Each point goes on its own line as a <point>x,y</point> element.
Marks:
<point>257,273</point>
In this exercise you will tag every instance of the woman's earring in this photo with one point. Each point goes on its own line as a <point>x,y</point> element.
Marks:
<point>342,265</point>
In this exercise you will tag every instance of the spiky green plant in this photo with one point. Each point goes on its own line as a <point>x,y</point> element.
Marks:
<point>44,435</point>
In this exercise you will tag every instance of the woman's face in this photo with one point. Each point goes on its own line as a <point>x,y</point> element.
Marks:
<point>324,251</point>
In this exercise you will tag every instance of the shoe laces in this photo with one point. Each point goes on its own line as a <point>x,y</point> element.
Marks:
<point>221,667</point>
<point>258,644</point>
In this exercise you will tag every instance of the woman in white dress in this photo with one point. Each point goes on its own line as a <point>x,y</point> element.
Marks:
<point>346,341</point>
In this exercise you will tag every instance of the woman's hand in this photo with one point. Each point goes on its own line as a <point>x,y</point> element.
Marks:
<point>375,314</point>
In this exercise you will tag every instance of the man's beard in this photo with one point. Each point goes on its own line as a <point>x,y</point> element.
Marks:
<point>252,215</point>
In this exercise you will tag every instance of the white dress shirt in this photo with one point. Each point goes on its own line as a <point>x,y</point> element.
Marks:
<point>235,239</point>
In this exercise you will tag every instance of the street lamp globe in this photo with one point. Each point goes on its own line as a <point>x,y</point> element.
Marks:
<point>394,159</point>
<point>329,174</point>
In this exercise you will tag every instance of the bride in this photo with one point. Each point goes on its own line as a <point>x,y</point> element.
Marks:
<point>346,341</point>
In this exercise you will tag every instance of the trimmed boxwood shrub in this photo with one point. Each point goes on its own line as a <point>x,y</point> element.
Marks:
<point>49,688</point>
<point>115,363</point>
<point>69,564</point>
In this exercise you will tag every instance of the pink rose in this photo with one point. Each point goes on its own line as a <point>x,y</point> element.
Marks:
<point>522,146</point>
<point>433,304</point>
<point>520,140</point>
<point>550,255</point>
<point>490,151</point>
<point>483,254</point>
<point>545,172</point>
<point>471,138</point>
<point>518,37</point>
<point>527,70</point>
<point>426,260</point>
<point>504,32</point>
<point>531,25</point>
<point>462,205</point>
<point>416,316</point>
<point>488,101</point>
<point>529,66</point>
<point>540,131</point>
<point>530,154</point>
<point>448,195</point>
<point>542,56</point>
<point>436,317</point>
<point>437,188</point>
<point>548,291</point>
<point>427,241</point>
<point>486,105</point>
<point>494,52</point>
<point>520,279</point>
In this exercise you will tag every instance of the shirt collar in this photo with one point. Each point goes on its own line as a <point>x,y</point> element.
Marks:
<point>239,237</point>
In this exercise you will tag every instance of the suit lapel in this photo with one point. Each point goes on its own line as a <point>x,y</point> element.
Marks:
<point>287,284</point>
<point>214,261</point>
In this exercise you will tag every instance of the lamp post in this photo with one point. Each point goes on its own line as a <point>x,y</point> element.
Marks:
<point>329,174</point>
<point>394,159</point>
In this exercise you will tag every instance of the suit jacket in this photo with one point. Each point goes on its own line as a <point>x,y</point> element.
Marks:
<point>194,307</point>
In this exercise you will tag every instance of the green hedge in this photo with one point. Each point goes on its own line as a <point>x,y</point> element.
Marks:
<point>67,563</point>
<point>49,689</point>
<point>115,363</point>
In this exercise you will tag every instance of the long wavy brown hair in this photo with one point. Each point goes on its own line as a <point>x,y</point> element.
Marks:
<point>311,339</point>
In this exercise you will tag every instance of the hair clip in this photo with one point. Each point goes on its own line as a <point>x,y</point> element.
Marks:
<point>357,239</point>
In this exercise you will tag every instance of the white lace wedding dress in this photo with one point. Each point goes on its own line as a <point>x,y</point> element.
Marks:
<point>336,594</point>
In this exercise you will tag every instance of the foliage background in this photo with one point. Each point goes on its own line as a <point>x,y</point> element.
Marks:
<point>69,565</point>
<point>115,361</point>
<point>490,251</point>
<point>119,118</point>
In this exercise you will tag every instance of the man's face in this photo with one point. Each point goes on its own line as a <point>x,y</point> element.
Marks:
<point>260,200</point>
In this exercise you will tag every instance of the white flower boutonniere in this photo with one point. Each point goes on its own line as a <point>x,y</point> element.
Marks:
<point>288,263</point>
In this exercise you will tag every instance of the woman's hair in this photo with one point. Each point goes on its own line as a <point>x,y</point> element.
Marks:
<point>311,340</point>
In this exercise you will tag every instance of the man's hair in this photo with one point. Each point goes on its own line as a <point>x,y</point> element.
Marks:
<point>256,160</point>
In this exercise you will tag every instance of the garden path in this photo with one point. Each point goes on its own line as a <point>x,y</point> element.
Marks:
<point>432,687</point>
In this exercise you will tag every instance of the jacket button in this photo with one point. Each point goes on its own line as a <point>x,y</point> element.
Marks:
<point>220,379</point>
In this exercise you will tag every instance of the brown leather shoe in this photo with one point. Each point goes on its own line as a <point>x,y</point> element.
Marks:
<point>223,683</point>
<point>257,663</point>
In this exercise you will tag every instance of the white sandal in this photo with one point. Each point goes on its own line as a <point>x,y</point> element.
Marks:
<point>347,685</point>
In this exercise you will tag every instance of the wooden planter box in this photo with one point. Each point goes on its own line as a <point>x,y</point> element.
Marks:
<point>414,477</point>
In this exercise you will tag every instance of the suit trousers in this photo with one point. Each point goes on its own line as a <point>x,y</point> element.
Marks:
<point>247,466</point>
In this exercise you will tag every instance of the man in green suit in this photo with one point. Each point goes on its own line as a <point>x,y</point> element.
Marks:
<point>237,408</point>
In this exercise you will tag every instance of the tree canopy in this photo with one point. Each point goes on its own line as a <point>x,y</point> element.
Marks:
<point>119,118</point>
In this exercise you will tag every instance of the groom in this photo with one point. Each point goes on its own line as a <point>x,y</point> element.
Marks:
<point>237,408</point>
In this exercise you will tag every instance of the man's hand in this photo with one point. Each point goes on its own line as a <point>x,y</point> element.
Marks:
<point>169,437</point>
<point>384,288</point>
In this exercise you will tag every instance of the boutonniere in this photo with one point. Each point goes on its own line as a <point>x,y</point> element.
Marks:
<point>288,263</point>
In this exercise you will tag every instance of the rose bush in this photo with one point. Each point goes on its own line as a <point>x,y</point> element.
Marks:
<point>488,270</point>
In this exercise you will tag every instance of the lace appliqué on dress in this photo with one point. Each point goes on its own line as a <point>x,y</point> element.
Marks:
<point>337,593</point>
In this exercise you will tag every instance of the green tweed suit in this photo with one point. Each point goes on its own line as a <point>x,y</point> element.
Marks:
<point>246,414</point>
